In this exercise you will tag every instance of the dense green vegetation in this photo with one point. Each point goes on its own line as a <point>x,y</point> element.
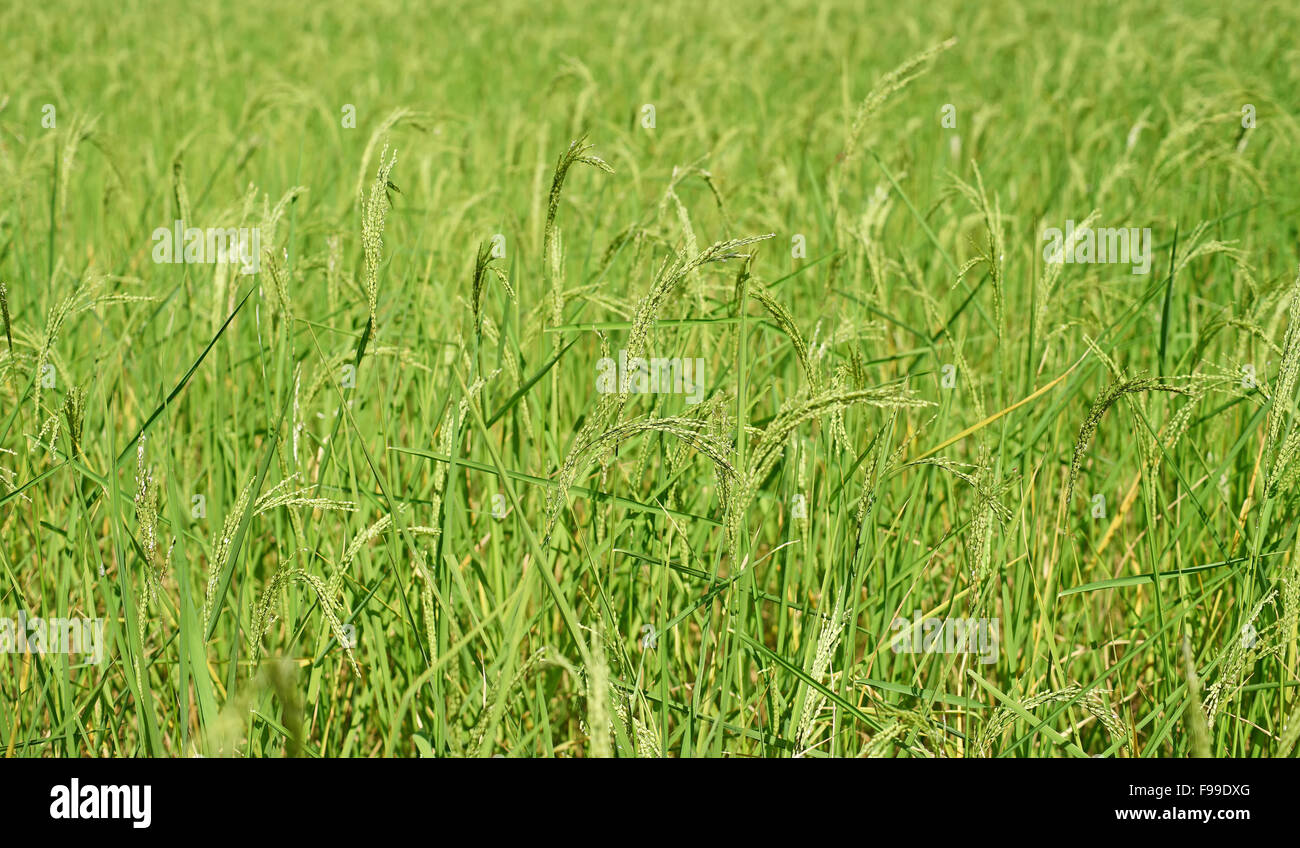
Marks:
<point>386,495</point>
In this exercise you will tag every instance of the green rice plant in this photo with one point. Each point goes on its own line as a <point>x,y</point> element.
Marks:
<point>377,499</point>
<point>372,231</point>
<point>1090,701</point>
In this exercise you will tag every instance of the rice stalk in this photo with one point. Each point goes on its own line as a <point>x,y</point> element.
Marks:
<point>1092,701</point>
<point>374,214</point>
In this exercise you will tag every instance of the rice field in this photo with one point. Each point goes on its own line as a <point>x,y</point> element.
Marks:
<point>586,379</point>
